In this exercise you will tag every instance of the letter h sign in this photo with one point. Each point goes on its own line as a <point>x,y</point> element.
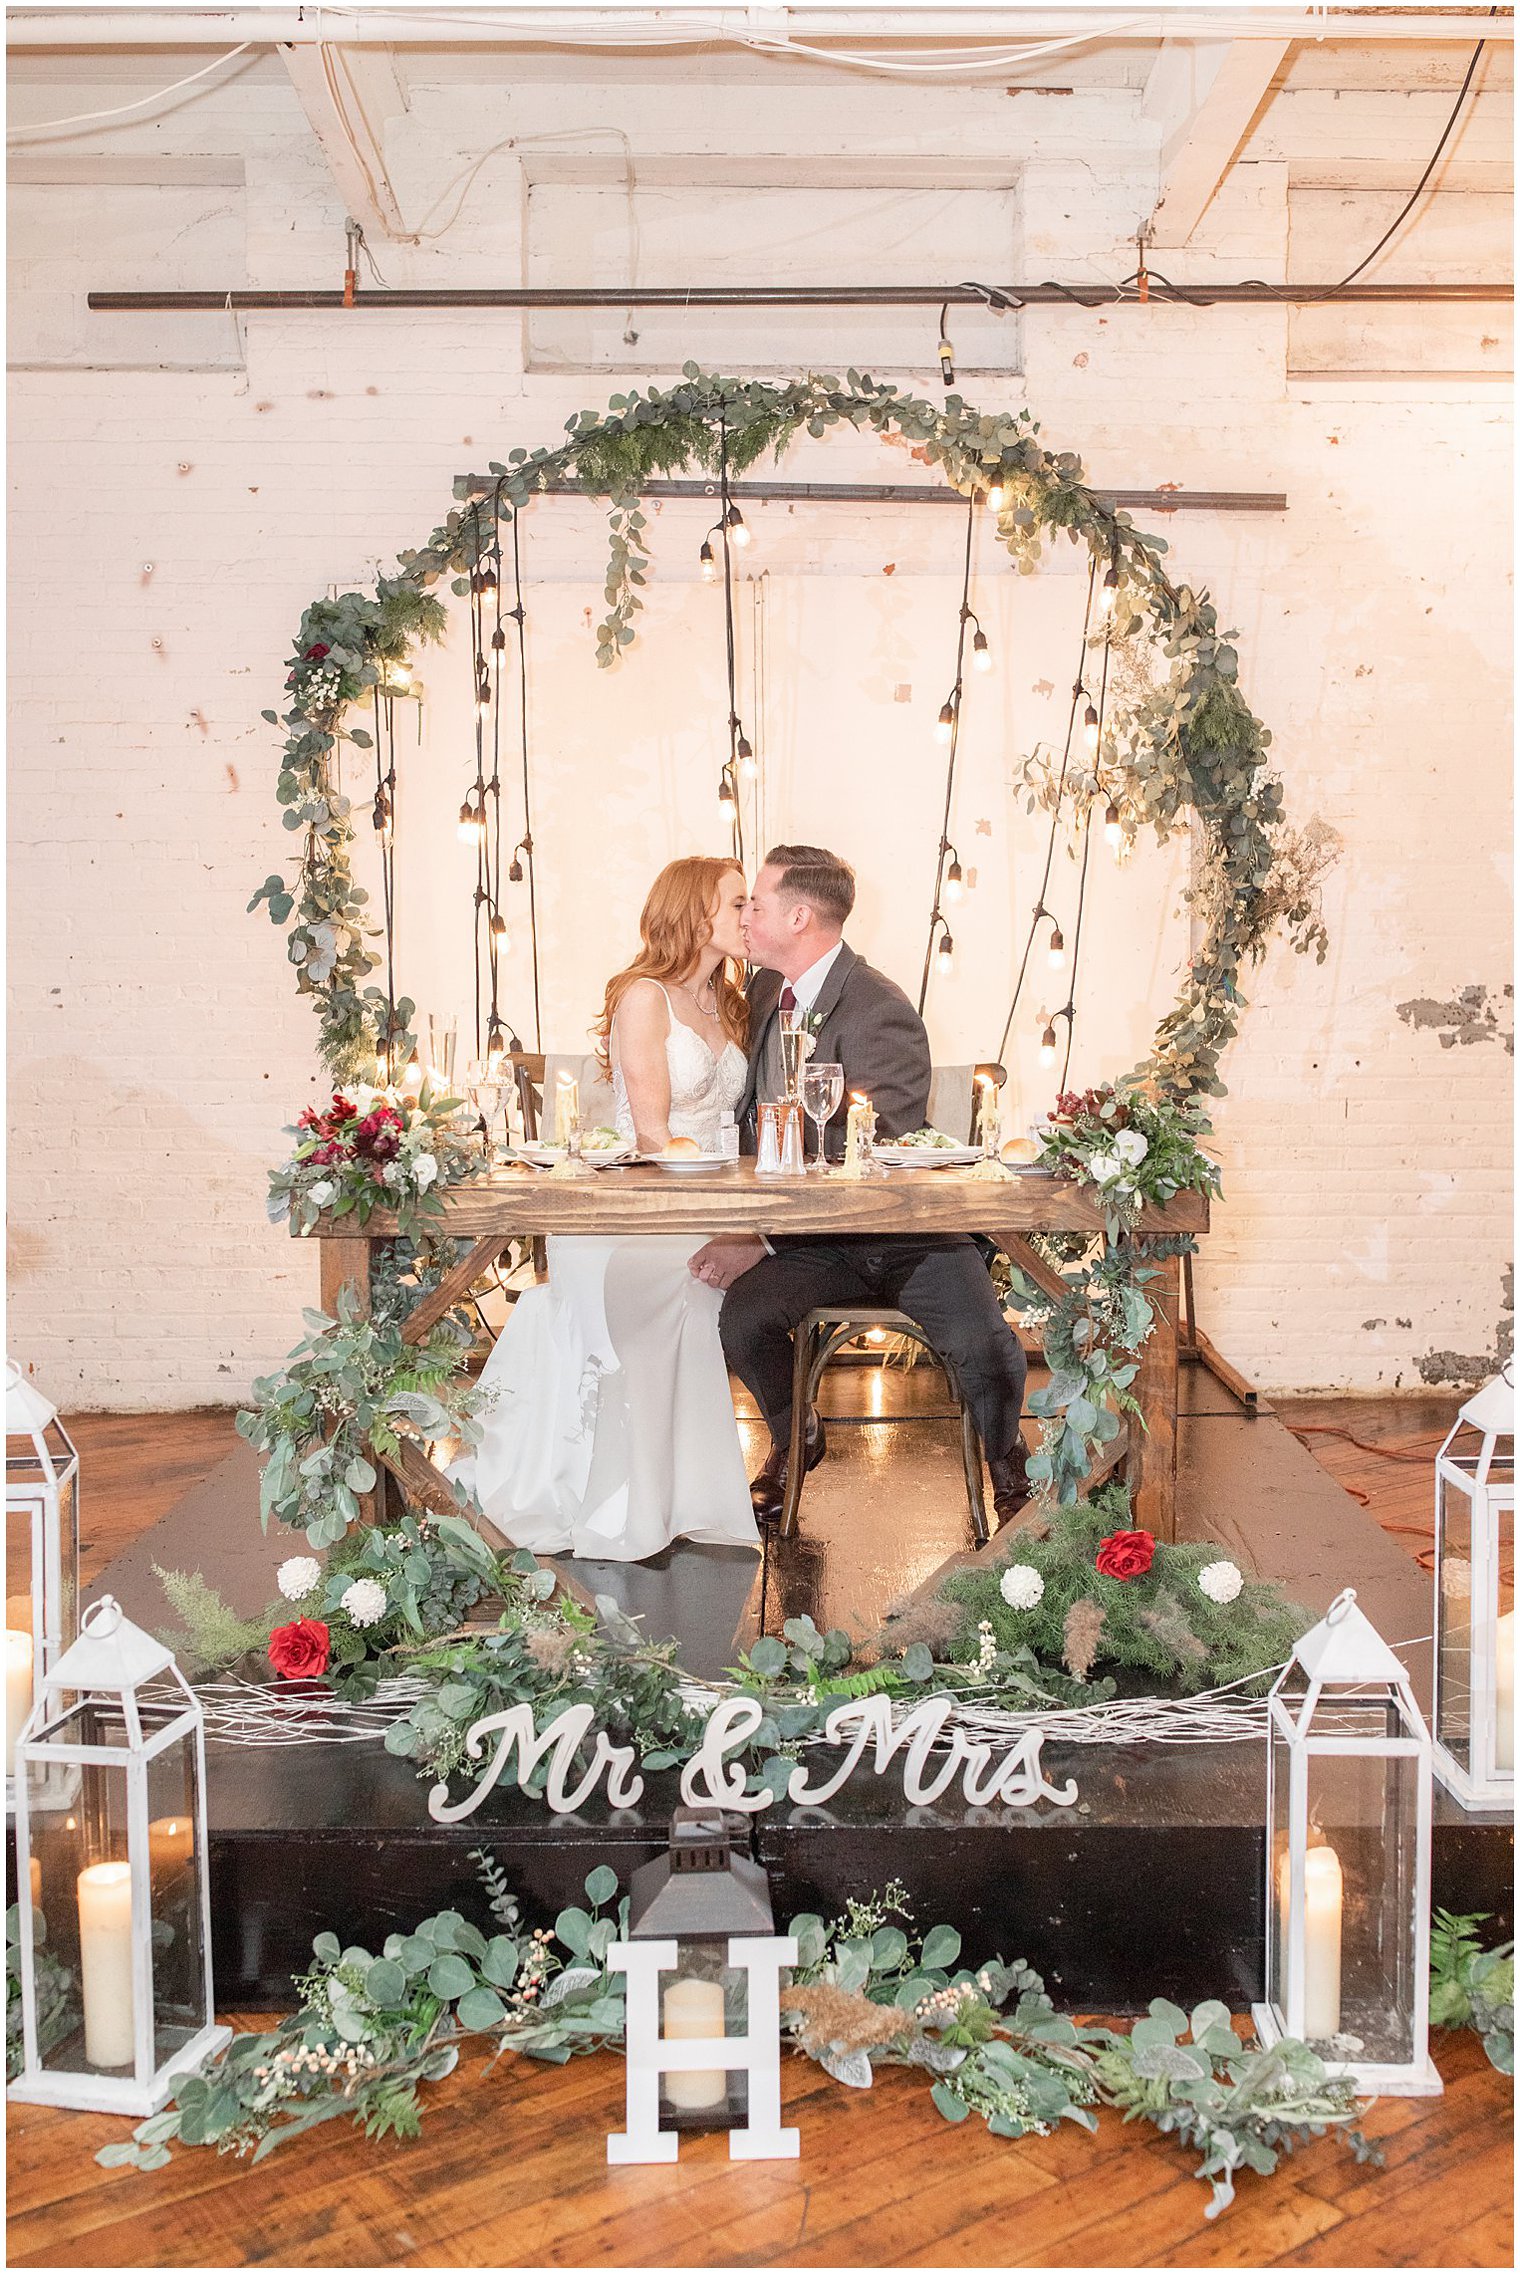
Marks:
<point>754,2131</point>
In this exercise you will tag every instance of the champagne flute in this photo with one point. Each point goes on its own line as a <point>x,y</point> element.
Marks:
<point>822,1089</point>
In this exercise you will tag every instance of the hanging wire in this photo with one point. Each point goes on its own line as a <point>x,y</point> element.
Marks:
<point>525,845</point>
<point>1040,909</point>
<point>936,913</point>
<point>731,781</point>
<point>385,831</point>
<point>1068,1012</point>
<point>490,677</point>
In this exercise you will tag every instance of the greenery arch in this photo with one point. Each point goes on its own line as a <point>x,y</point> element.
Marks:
<point>1186,742</point>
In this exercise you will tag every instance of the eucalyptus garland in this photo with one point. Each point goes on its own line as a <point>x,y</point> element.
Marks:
<point>868,1992</point>
<point>1187,743</point>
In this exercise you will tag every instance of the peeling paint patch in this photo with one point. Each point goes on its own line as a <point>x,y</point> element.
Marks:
<point>1369,1326</point>
<point>1459,1369</point>
<point>1472,1015</point>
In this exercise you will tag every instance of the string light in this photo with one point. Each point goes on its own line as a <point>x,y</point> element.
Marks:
<point>1048,1044</point>
<point>746,756</point>
<point>1110,590</point>
<point>737,527</point>
<point>515,871</point>
<point>944,725</point>
<point>1057,949</point>
<point>398,675</point>
<point>709,565</point>
<point>1090,727</point>
<point>499,932</point>
<point>1112,831</point>
<point>499,640</point>
<point>945,955</point>
<point>488,582</point>
<point>496,1048</point>
<point>981,653</point>
<point>726,794</point>
<point>955,882</point>
<point>947,362</point>
<point>995,498</point>
<point>472,823</point>
<point>382,817</point>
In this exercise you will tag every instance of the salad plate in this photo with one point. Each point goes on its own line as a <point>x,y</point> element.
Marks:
<point>944,1155</point>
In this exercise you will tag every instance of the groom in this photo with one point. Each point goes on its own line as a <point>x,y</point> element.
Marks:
<point>793,927</point>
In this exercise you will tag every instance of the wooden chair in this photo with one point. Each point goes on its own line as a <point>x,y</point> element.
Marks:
<point>824,1332</point>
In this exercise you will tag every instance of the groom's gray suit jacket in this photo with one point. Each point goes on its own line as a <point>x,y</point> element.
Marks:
<point>861,1021</point>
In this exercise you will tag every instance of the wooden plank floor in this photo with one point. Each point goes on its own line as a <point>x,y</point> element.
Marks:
<point>511,2171</point>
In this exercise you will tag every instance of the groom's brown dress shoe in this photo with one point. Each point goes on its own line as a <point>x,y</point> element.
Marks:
<point>1011,1488</point>
<point>768,1489</point>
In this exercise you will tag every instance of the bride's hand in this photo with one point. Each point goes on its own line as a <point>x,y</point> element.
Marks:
<point>721,1262</point>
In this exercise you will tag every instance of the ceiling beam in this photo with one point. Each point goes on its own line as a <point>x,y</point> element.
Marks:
<point>347,95</point>
<point>1204,96</point>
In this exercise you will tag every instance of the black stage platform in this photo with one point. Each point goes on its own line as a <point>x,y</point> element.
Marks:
<point>1151,1886</point>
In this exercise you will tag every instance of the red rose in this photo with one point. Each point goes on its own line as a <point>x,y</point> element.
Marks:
<point>316,651</point>
<point>378,1136</point>
<point>300,1650</point>
<point>1126,1555</point>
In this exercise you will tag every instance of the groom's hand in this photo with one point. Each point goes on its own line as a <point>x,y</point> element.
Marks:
<point>721,1262</point>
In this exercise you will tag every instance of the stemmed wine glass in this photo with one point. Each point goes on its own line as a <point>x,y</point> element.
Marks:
<point>822,1089</point>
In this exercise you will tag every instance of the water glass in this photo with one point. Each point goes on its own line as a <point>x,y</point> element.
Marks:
<point>822,1089</point>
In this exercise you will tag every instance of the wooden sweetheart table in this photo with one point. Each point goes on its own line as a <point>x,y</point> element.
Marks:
<point>518,1203</point>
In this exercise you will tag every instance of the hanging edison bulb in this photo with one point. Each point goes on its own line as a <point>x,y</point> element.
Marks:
<point>744,751</point>
<point>1056,951</point>
<point>1113,832</point>
<point>382,817</point>
<point>709,565</point>
<point>1090,727</point>
<point>515,871</point>
<point>946,955</point>
<point>981,653</point>
<point>499,933</point>
<point>726,795</point>
<point>995,495</point>
<point>496,1050</point>
<point>1110,590</point>
<point>472,823</point>
<point>955,881</point>
<point>398,675</point>
<point>944,725</point>
<point>737,527</point>
<point>499,639</point>
<point>1048,1044</point>
<point>488,582</point>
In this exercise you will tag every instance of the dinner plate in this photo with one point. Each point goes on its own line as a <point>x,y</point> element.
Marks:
<point>928,1156</point>
<point>610,1157</point>
<point>538,1156</point>
<point>688,1162</point>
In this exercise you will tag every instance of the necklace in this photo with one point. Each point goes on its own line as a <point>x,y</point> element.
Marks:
<point>702,1009</point>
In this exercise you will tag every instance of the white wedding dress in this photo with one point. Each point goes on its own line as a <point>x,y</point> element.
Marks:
<point>610,1431</point>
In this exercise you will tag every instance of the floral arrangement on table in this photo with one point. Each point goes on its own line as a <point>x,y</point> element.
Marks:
<point>1133,1145</point>
<point>342,1401</point>
<point>867,1993</point>
<point>1087,1595</point>
<point>373,1149</point>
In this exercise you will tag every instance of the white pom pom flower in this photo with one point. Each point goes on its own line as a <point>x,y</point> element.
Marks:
<point>1021,1587</point>
<point>364,1602</point>
<point>297,1577</point>
<point>1221,1581</point>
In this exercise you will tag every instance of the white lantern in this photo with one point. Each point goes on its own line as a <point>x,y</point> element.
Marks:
<point>1473,1721</point>
<point>41,1549</point>
<point>1348,1859</point>
<point>704,2052</point>
<point>116,1996</point>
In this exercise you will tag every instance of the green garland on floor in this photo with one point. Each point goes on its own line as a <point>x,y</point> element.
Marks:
<point>1473,1988</point>
<point>867,1993</point>
<point>1189,744</point>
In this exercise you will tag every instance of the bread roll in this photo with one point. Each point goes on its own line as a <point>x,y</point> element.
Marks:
<point>1019,1152</point>
<point>682,1149</point>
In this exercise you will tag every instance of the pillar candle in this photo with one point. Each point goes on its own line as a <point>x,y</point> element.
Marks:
<point>105,1963</point>
<point>1504,1692</point>
<point>567,1108</point>
<point>1322,1939</point>
<point>18,1690</point>
<point>170,1847</point>
<point>694,2009</point>
<point>989,1114</point>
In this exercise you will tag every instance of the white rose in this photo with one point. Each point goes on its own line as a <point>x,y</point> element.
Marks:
<point>424,1169</point>
<point>1131,1147</point>
<point>1221,1581</point>
<point>1021,1587</point>
<point>322,1191</point>
<point>364,1601</point>
<point>298,1577</point>
<point>1105,1168</point>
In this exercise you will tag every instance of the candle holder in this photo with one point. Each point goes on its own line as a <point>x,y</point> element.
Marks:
<point>116,1991</point>
<point>1473,1718</point>
<point>1348,1859</point>
<point>41,1550</point>
<point>704,2054</point>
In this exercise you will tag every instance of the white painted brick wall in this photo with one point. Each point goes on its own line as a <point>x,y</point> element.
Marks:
<point>157,1046</point>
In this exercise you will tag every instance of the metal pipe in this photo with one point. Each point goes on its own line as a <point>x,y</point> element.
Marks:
<point>1082,294</point>
<point>920,493</point>
<point>654,27</point>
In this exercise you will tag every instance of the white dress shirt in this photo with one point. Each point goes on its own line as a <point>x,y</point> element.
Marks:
<point>807,989</point>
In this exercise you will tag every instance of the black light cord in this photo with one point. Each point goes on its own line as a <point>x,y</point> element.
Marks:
<point>1069,1011</point>
<point>385,803</point>
<point>936,912</point>
<point>1055,819</point>
<point>519,617</point>
<point>731,772</point>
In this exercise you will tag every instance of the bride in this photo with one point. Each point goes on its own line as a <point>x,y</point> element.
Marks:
<point>611,1431</point>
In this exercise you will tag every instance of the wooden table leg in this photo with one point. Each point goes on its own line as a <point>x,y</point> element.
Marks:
<point>1152,1464</point>
<point>345,1263</point>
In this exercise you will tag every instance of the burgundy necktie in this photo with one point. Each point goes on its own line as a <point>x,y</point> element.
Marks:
<point>788,1002</point>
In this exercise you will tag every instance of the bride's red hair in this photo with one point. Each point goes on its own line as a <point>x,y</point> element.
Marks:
<point>676,924</point>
